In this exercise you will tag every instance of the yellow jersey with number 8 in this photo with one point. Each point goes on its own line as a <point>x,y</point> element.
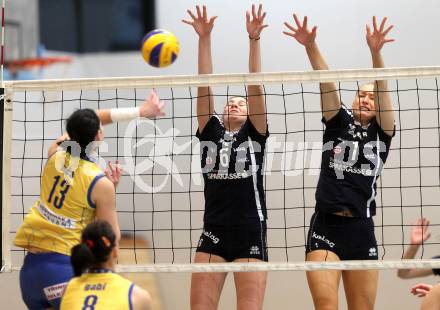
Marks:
<point>64,208</point>
<point>98,291</point>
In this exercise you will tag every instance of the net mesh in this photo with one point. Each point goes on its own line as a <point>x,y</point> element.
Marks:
<point>160,196</point>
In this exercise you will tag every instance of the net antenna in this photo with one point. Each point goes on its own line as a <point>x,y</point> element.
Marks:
<point>2,44</point>
<point>4,228</point>
<point>170,217</point>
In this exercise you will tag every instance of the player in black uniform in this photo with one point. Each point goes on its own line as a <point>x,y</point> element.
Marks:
<point>232,152</point>
<point>355,147</point>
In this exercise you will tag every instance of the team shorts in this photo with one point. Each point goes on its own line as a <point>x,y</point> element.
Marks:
<point>234,243</point>
<point>43,278</point>
<point>350,238</point>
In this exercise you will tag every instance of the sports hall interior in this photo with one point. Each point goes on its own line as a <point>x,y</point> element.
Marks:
<point>341,38</point>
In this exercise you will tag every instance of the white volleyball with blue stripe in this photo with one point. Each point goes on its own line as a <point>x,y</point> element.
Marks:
<point>160,48</point>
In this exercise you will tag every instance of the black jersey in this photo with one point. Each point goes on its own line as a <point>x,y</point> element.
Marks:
<point>352,159</point>
<point>232,165</point>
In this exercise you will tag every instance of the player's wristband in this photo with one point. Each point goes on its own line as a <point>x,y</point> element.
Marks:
<point>124,114</point>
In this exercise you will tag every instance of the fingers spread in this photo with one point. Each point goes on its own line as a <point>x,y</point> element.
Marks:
<point>305,22</point>
<point>260,8</point>
<point>205,13</point>
<point>212,19</point>
<point>382,24</point>
<point>298,23</point>
<point>368,30</point>
<point>374,23</point>
<point>290,27</point>
<point>191,14</point>
<point>388,30</point>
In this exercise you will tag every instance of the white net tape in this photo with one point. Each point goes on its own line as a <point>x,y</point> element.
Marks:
<point>298,266</point>
<point>227,79</point>
<point>293,266</point>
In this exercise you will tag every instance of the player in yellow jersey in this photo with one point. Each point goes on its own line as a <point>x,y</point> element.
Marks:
<point>95,285</point>
<point>74,191</point>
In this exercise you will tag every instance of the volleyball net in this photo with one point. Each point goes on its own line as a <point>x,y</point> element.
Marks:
<point>160,197</point>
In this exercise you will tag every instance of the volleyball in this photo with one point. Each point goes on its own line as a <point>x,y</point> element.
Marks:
<point>160,48</point>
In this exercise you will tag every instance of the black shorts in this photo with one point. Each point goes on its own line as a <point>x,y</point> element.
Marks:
<point>233,243</point>
<point>350,238</point>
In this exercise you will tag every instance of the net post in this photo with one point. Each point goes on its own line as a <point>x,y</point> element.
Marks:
<point>5,169</point>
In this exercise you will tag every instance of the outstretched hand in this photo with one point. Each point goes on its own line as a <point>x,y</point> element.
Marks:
<point>377,38</point>
<point>255,25</point>
<point>301,33</point>
<point>201,24</point>
<point>152,107</point>
<point>419,231</point>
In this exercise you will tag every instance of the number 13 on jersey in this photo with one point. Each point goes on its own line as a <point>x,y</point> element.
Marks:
<point>61,188</point>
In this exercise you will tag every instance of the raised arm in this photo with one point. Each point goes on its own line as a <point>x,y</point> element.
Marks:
<point>257,107</point>
<point>330,103</point>
<point>376,39</point>
<point>54,146</point>
<point>151,108</point>
<point>203,27</point>
<point>419,234</point>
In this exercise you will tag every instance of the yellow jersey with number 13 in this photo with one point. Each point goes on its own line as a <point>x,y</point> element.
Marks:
<point>98,290</point>
<point>64,208</point>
